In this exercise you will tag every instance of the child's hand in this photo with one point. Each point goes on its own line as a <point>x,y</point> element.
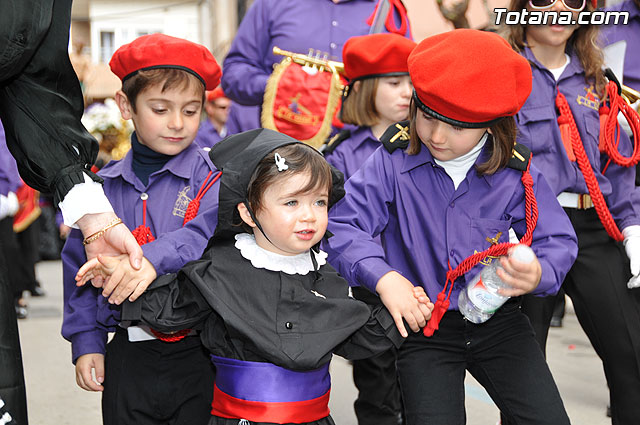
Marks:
<point>397,294</point>
<point>522,277</point>
<point>97,272</point>
<point>123,280</point>
<point>421,296</point>
<point>84,367</point>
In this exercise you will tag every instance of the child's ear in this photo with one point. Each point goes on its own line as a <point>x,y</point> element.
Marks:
<point>124,105</point>
<point>489,131</point>
<point>244,214</point>
<point>356,86</point>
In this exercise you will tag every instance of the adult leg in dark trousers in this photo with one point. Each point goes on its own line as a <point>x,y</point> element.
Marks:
<point>558,310</point>
<point>12,390</point>
<point>379,401</point>
<point>28,243</point>
<point>608,311</point>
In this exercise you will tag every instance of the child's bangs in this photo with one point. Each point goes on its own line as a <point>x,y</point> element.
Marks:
<point>319,175</point>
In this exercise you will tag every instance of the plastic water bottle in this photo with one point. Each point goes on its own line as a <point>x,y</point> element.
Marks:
<point>480,299</point>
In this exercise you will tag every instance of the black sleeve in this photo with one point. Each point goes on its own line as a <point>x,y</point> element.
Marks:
<point>170,304</point>
<point>40,97</point>
<point>378,335</point>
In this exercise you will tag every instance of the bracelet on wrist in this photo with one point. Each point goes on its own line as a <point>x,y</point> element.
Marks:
<point>97,235</point>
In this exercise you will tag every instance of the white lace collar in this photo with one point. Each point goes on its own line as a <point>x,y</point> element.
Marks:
<point>262,259</point>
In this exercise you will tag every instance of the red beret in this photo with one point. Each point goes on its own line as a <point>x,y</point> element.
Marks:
<point>469,78</point>
<point>163,51</point>
<point>376,55</point>
<point>215,94</point>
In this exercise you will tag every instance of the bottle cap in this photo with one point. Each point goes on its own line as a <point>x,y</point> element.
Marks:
<point>523,253</point>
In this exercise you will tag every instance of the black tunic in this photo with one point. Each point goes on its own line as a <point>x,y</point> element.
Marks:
<point>254,314</point>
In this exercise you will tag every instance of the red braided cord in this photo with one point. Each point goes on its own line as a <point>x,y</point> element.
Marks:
<point>190,214</point>
<point>142,233</point>
<point>587,172</point>
<point>611,130</point>
<point>194,205</point>
<point>531,219</point>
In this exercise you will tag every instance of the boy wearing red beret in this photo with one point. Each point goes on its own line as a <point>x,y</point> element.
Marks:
<point>214,127</point>
<point>165,189</point>
<point>444,196</point>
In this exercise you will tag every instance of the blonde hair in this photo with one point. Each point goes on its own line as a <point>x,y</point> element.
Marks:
<point>359,107</point>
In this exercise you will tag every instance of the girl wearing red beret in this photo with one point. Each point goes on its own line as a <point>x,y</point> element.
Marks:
<point>444,204</point>
<point>561,124</point>
<point>379,94</point>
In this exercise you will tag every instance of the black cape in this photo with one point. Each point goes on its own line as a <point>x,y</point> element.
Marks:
<point>255,314</point>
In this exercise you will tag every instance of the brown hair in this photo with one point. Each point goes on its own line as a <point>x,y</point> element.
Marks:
<point>503,135</point>
<point>299,158</point>
<point>359,107</point>
<point>168,77</point>
<point>584,40</point>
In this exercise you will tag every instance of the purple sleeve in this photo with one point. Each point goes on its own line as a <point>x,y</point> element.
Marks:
<point>172,250</point>
<point>245,73</point>
<point>355,222</point>
<point>79,323</point>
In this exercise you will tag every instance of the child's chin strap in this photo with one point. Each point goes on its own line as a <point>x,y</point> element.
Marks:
<point>255,220</point>
<point>531,219</point>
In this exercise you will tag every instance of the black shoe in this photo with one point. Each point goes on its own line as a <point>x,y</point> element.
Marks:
<point>21,311</point>
<point>556,322</point>
<point>37,291</point>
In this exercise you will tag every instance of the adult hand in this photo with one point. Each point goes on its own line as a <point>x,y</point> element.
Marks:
<point>116,240</point>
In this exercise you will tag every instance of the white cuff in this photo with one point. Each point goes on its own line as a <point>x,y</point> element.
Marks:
<point>631,231</point>
<point>84,198</point>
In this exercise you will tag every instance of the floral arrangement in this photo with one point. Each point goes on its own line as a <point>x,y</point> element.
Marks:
<point>104,122</point>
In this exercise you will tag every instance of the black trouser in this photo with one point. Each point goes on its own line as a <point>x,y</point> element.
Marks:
<point>28,244</point>
<point>379,401</point>
<point>501,354</point>
<point>607,310</point>
<point>156,382</point>
<point>10,250</point>
<point>12,390</point>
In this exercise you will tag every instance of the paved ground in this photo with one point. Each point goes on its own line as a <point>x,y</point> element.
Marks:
<point>55,399</point>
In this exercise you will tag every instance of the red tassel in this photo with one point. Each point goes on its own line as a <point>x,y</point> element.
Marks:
<point>192,211</point>
<point>439,309</point>
<point>143,235</point>
<point>604,116</point>
<point>194,205</point>
<point>565,134</point>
